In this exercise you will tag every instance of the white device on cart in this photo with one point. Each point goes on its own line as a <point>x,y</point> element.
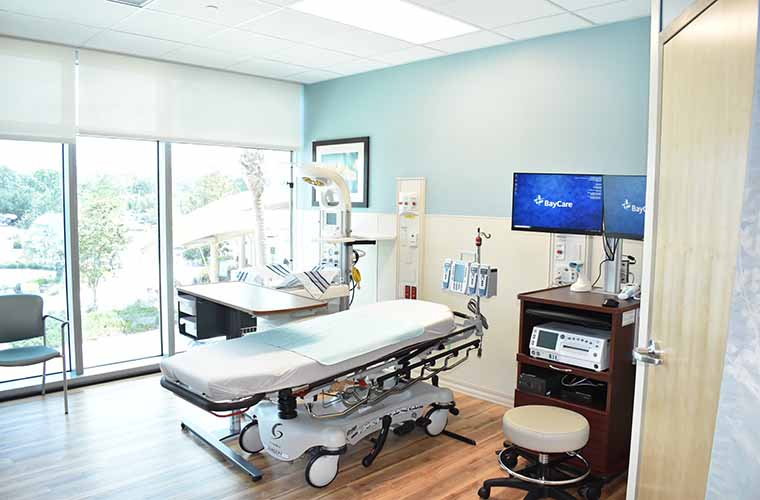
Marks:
<point>629,291</point>
<point>573,345</point>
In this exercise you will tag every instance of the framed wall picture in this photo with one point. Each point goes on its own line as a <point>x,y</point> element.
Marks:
<point>353,155</point>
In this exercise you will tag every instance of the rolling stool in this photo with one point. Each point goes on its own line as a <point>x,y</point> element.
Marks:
<point>535,432</point>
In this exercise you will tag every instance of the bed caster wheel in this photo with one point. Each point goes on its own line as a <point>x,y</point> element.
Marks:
<point>484,492</point>
<point>508,458</point>
<point>322,469</point>
<point>437,422</point>
<point>590,492</point>
<point>250,439</point>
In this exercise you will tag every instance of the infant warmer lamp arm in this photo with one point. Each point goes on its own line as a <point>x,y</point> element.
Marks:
<point>334,196</point>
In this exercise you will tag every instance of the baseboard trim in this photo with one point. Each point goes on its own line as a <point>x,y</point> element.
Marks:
<point>501,398</point>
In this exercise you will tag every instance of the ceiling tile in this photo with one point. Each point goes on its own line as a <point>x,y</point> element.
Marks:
<point>99,13</point>
<point>201,56</point>
<point>313,57</point>
<point>357,66</point>
<point>493,13</point>
<point>581,4</point>
<point>294,25</point>
<point>128,43</point>
<point>47,30</point>
<point>227,12</point>
<point>245,43</point>
<point>404,56</point>
<point>544,26</point>
<point>618,11</point>
<point>264,67</point>
<point>470,41</point>
<point>361,43</point>
<point>167,26</point>
<point>314,76</point>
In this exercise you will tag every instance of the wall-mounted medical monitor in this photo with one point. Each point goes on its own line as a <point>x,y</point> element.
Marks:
<point>557,203</point>
<point>624,206</point>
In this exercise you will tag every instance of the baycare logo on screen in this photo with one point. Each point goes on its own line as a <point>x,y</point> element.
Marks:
<point>627,205</point>
<point>541,201</point>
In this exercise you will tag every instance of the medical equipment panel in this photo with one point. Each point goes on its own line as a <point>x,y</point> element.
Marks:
<point>570,344</point>
<point>487,283</point>
<point>410,200</point>
<point>472,280</point>
<point>459,274</point>
<point>469,278</point>
<point>446,273</point>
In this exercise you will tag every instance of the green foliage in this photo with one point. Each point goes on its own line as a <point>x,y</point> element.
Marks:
<point>142,201</point>
<point>102,233</point>
<point>209,188</point>
<point>101,323</point>
<point>24,265</point>
<point>43,243</point>
<point>29,196</point>
<point>140,316</point>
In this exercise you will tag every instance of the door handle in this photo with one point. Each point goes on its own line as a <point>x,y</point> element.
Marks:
<point>650,354</point>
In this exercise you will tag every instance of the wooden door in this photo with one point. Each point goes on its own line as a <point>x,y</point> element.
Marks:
<point>708,69</point>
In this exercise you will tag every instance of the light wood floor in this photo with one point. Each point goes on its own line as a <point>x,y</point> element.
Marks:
<point>122,440</point>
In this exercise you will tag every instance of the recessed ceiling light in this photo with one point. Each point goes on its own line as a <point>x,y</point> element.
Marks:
<point>394,18</point>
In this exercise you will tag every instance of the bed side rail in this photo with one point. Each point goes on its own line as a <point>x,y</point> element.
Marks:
<point>207,404</point>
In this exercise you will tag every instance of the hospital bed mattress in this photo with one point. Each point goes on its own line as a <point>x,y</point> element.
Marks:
<point>255,364</point>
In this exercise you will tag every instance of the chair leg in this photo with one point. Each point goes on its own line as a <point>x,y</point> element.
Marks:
<point>44,367</point>
<point>65,389</point>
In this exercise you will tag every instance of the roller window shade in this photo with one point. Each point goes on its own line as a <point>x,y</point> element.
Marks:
<point>37,91</point>
<point>131,97</point>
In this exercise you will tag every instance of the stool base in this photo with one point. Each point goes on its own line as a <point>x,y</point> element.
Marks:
<point>541,478</point>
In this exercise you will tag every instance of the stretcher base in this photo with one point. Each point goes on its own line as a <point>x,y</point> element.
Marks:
<point>217,443</point>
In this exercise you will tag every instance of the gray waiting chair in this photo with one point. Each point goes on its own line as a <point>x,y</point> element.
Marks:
<point>21,319</point>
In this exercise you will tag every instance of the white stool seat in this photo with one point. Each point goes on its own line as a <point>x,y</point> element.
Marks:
<point>545,429</point>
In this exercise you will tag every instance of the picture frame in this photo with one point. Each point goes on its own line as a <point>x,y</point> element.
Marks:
<point>352,153</point>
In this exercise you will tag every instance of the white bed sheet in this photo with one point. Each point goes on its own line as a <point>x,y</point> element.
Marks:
<point>238,368</point>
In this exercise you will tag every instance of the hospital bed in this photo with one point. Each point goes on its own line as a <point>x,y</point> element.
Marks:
<point>317,386</point>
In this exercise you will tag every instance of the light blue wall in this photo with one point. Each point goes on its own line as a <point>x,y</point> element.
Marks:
<point>574,102</point>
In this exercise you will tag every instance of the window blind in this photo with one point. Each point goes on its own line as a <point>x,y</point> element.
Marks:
<point>37,92</point>
<point>131,97</point>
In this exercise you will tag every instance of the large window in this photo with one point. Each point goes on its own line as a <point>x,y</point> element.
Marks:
<point>31,235</point>
<point>231,211</point>
<point>117,190</point>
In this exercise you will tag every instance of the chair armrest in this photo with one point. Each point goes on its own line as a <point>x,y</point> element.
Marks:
<point>64,324</point>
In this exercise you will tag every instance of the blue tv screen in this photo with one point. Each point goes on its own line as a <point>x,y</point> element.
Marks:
<point>557,203</point>
<point>625,206</point>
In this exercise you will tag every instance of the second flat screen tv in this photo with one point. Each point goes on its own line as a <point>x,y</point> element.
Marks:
<point>557,203</point>
<point>625,206</point>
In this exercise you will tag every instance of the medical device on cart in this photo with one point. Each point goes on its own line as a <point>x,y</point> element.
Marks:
<point>313,388</point>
